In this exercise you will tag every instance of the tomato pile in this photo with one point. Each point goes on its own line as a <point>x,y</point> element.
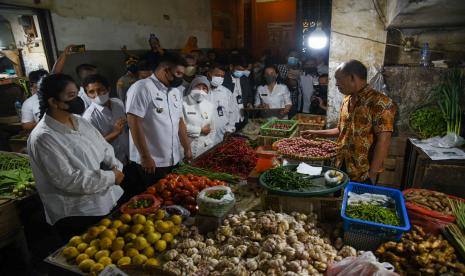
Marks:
<point>301,147</point>
<point>281,126</point>
<point>182,189</point>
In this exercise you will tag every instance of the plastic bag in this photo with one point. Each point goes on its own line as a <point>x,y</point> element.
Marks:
<point>377,82</point>
<point>451,140</point>
<point>176,210</point>
<point>210,206</point>
<point>363,265</point>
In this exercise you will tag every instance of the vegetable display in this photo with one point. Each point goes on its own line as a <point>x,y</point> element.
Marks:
<point>188,169</point>
<point>234,156</point>
<point>278,128</point>
<point>374,213</point>
<point>457,231</point>
<point>141,204</point>
<point>258,244</point>
<point>303,149</point>
<point>428,122</point>
<point>285,179</point>
<point>125,241</point>
<point>216,194</point>
<point>182,189</point>
<point>420,253</point>
<point>449,93</point>
<point>430,200</point>
<point>16,177</point>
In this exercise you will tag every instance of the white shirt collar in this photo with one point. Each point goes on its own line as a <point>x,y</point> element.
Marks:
<point>57,126</point>
<point>158,83</point>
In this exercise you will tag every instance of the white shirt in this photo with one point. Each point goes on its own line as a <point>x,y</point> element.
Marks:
<point>104,119</point>
<point>30,111</point>
<point>238,100</point>
<point>278,98</point>
<point>82,94</point>
<point>196,116</point>
<point>223,102</point>
<point>66,164</point>
<point>161,112</point>
<point>306,83</point>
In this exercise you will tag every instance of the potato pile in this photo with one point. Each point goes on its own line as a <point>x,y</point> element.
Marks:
<point>420,253</point>
<point>430,200</point>
<point>265,243</point>
<point>129,240</point>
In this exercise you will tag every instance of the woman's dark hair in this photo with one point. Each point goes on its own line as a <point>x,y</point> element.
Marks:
<point>51,87</point>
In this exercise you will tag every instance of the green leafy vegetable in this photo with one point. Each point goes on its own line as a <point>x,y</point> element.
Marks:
<point>284,179</point>
<point>428,122</point>
<point>374,213</point>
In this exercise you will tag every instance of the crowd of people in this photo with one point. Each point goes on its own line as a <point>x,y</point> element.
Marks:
<point>88,150</point>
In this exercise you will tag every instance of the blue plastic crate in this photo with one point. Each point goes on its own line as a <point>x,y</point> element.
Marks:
<point>367,235</point>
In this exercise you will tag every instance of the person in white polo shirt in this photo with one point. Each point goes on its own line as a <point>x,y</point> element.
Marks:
<point>30,110</point>
<point>155,119</point>
<point>272,94</point>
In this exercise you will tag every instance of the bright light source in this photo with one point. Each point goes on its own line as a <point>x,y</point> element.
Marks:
<point>318,38</point>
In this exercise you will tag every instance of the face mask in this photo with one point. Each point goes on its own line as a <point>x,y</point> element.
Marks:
<point>217,81</point>
<point>246,73</point>
<point>75,106</point>
<point>292,61</point>
<point>190,71</point>
<point>198,95</point>
<point>238,74</point>
<point>270,79</point>
<point>101,100</point>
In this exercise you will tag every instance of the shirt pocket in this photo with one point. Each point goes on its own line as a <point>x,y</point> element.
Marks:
<point>159,106</point>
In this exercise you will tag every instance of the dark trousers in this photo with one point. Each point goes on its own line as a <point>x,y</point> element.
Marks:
<point>132,182</point>
<point>74,226</point>
<point>149,179</point>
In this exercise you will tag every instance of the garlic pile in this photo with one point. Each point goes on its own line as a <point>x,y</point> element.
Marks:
<point>265,243</point>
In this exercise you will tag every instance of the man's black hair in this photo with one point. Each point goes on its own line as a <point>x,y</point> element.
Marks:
<point>216,65</point>
<point>35,76</point>
<point>171,59</point>
<point>93,79</point>
<point>354,67</point>
<point>84,67</point>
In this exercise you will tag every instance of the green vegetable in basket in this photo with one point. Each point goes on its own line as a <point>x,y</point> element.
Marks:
<point>285,179</point>
<point>428,122</point>
<point>216,194</point>
<point>142,203</point>
<point>373,213</point>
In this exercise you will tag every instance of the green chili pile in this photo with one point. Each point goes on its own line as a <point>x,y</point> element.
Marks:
<point>374,213</point>
<point>216,194</point>
<point>141,203</point>
<point>284,179</point>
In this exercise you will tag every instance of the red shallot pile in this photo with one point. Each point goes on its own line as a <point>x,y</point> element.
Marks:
<point>281,126</point>
<point>304,148</point>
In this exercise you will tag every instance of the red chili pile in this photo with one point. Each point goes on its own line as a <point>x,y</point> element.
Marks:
<point>281,126</point>
<point>301,147</point>
<point>233,156</point>
<point>181,189</point>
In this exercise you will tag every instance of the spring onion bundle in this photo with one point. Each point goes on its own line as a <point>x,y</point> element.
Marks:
<point>457,231</point>
<point>449,92</point>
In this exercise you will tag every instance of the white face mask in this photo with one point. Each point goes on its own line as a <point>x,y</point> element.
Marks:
<point>246,73</point>
<point>102,99</point>
<point>198,95</point>
<point>217,81</point>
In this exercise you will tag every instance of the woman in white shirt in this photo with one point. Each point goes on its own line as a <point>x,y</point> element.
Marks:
<point>273,95</point>
<point>199,114</point>
<point>76,172</point>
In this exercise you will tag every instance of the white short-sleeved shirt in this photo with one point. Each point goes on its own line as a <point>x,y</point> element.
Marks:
<point>306,83</point>
<point>223,102</point>
<point>161,111</point>
<point>103,119</point>
<point>82,94</point>
<point>67,164</point>
<point>238,100</point>
<point>30,111</point>
<point>278,98</point>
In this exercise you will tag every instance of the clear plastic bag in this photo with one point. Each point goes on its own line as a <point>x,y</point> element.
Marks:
<point>210,206</point>
<point>363,265</point>
<point>378,83</point>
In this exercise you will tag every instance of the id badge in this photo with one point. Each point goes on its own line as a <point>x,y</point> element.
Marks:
<point>239,99</point>
<point>220,111</point>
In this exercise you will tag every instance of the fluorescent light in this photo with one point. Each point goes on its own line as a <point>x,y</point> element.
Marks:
<point>318,38</point>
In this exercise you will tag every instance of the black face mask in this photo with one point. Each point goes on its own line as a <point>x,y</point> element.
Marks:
<point>76,106</point>
<point>175,82</point>
<point>270,79</point>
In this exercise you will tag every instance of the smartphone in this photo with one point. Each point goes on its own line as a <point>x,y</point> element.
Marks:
<point>78,48</point>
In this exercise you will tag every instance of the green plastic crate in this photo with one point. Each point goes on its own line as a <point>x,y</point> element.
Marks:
<point>275,132</point>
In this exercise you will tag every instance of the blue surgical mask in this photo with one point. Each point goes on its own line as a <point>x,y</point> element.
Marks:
<point>238,74</point>
<point>292,61</point>
<point>246,73</point>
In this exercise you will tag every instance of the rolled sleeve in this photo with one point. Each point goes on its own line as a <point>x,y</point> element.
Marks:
<point>138,100</point>
<point>383,117</point>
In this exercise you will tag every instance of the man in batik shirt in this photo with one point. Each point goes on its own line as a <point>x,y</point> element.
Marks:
<point>365,125</point>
